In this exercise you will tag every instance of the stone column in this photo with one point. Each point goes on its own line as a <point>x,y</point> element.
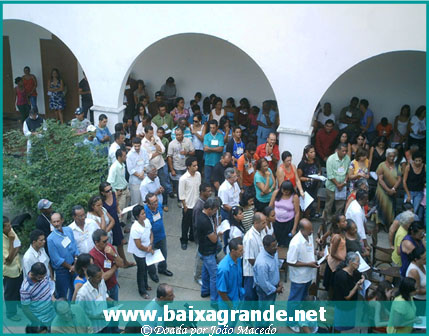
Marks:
<point>293,140</point>
<point>114,115</point>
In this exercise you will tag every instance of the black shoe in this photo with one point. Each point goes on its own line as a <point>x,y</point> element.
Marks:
<point>172,195</point>
<point>154,278</point>
<point>191,239</point>
<point>122,224</point>
<point>205,295</point>
<point>167,273</point>
<point>184,246</point>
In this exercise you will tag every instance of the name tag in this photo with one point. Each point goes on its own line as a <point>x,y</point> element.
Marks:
<point>341,170</point>
<point>140,162</point>
<point>156,217</point>
<point>243,112</point>
<point>51,227</point>
<point>128,136</point>
<point>66,242</point>
<point>153,148</point>
<point>268,158</point>
<point>181,156</point>
<point>250,171</point>
<point>349,114</point>
<point>239,150</point>
<point>165,126</point>
<point>99,298</point>
<point>16,243</point>
<point>107,264</point>
<point>215,142</point>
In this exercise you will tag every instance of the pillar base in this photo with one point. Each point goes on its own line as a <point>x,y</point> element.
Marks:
<point>114,115</point>
<point>293,140</point>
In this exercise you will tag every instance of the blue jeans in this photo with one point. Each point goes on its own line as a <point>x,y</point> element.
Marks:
<point>298,293</point>
<point>33,102</point>
<point>207,173</point>
<point>208,276</point>
<point>164,179</point>
<point>416,198</point>
<point>249,289</point>
<point>64,283</point>
<point>114,292</point>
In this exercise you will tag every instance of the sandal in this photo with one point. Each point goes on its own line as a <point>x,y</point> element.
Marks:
<point>148,288</point>
<point>129,265</point>
<point>145,296</point>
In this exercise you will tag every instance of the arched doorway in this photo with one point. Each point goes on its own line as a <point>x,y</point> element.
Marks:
<point>27,44</point>
<point>200,62</point>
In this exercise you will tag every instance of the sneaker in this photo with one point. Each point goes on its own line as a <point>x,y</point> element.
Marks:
<point>172,195</point>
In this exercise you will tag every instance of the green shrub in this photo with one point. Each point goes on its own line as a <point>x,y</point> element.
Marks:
<point>62,170</point>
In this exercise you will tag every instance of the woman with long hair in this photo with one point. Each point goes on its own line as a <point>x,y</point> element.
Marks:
<point>225,129</point>
<point>400,126</point>
<point>286,206</point>
<point>417,129</point>
<point>287,172</point>
<point>265,183</point>
<point>217,112</point>
<point>309,165</point>
<point>359,167</point>
<point>342,138</point>
<point>379,302</point>
<point>270,213</point>
<point>247,202</point>
<point>358,141</point>
<point>179,111</point>
<point>236,226</point>
<point>57,102</point>
<point>82,262</point>
<point>99,214</point>
<point>377,153</point>
<point>417,271</point>
<point>111,205</point>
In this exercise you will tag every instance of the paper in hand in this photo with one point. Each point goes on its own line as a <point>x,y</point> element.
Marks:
<point>128,209</point>
<point>325,255</point>
<point>363,266</point>
<point>224,226</point>
<point>154,258</point>
<point>305,201</point>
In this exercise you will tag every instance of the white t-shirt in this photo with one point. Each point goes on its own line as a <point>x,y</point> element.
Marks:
<point>252,245</point>
<point>301,250</point>
<point>357,214</point>
<point>322,118</point>
<point>141,232</point>
<point>417,126</point>
<point>229,194</point>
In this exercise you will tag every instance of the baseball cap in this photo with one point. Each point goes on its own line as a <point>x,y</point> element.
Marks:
<point>78,111</point>
<point>91,128</point>
<point>44,204</point>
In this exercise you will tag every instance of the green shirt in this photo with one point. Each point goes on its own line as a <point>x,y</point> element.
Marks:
<point>336,169</point>
<point>165,142</point>
<point>161,121</point>
<point>116,176</point>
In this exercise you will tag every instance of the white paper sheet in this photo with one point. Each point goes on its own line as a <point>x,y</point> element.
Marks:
<point>154,258</point>
<point>363,266</point>
<point>365,287</point>
<point>128,209</point>
<point>373,209</point>
<point>305,201</point>
<point>421,324</point>
<point>325,255</point>
<point>341,195</point>
<point>373,175</point>
<point>224,226</point>
<point>318,177</point>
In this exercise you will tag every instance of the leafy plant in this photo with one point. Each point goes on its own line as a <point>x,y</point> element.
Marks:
<point>59,167</point>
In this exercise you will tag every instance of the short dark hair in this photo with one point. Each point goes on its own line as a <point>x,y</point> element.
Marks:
<point>341,145</point>
<point>361,194</point>
<point>118,153</point>
<point>119,127</point>
<point>101,117</point>
<point>286,154</point>
<point>92,270</point>
<point>82,261</point>
<point>406,287</point>
<point>213,122</point>
<point>251,146</point>
<point>204,186</point>
<point>38,268</point>
<point>148,128</point>
<point>148,196</point>
<point>76,208</point>
<point>35,234</point>
<point>329,121</point>
<point>137,210</point>
<point>364,102</point>
<point>190,160</point>
<point>162,105</point>
<point>118,134</point>
<point>137,140</point>
<point>268,240</point>
<point>212,203</point>
<point>417,154</point>
<point>235,243</point>
<point>97,234</point>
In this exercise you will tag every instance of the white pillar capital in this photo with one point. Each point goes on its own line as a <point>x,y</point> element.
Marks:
<point>293,140</point>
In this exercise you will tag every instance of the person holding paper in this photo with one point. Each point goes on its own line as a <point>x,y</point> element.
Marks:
<point>12,270</point>
<point>63,253</point>
<point>348,281</point>
<point>287,172</point>
<point>213,148</point>
<point>336,184</point>
<point>356,213</point>
<point>140,244</point>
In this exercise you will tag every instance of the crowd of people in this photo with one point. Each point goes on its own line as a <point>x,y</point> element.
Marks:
<point>241,197</point>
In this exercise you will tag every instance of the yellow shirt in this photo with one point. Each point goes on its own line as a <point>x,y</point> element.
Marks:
<point>14,269</point>
<point>400,234</point>
<point>403,311</point>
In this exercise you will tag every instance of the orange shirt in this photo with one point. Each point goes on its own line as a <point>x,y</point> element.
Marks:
<point>288,176</point>
<point>384,130</point>
<point>247,178</point>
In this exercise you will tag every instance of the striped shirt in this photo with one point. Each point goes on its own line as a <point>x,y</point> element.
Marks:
<point>38,296</point>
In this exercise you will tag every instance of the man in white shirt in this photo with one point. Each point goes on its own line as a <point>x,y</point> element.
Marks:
<point>36,253</point>
<point>178,150</point>
<point>155,148</point>
<point>302,261</point>
<point>82,228</point>
<point>151,184</point>
<point>324,116</point>
<point>137,160</point>
<point>189,186</point>
<point>229,192</point>
<point>93,297</point>
<point>117,144</point>
<point>252,245</point>
<point>356,213</point>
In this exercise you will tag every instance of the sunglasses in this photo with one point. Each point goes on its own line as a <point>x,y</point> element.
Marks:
<point>104,241</point>
<point>107,191</point>
<point>195,121</point>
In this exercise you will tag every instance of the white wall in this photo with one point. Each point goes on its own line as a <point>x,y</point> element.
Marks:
<point>24,40</point>
<point>387,81</point>
<point>202,63</point>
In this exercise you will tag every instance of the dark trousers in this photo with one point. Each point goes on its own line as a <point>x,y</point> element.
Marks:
<point>250,291</point>
<point>141,274</point>
<point>12,297</point>
<point>199,154</point>
<point>64,284</point>
<point>187,229</point>
<point>162,266</point>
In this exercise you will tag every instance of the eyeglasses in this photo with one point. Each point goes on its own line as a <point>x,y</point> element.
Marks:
<point>196,121</point>
<point>104,241</point>
<point>107,191</point>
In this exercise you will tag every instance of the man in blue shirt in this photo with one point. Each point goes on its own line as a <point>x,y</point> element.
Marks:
<point>213,148</point>
<point>267,272</point>
<point>267,122</point>
<point>154,213</point>
<point>62,251</point>
<point>183,125</point>
<point>103,134</point>
<point>229,277</point>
